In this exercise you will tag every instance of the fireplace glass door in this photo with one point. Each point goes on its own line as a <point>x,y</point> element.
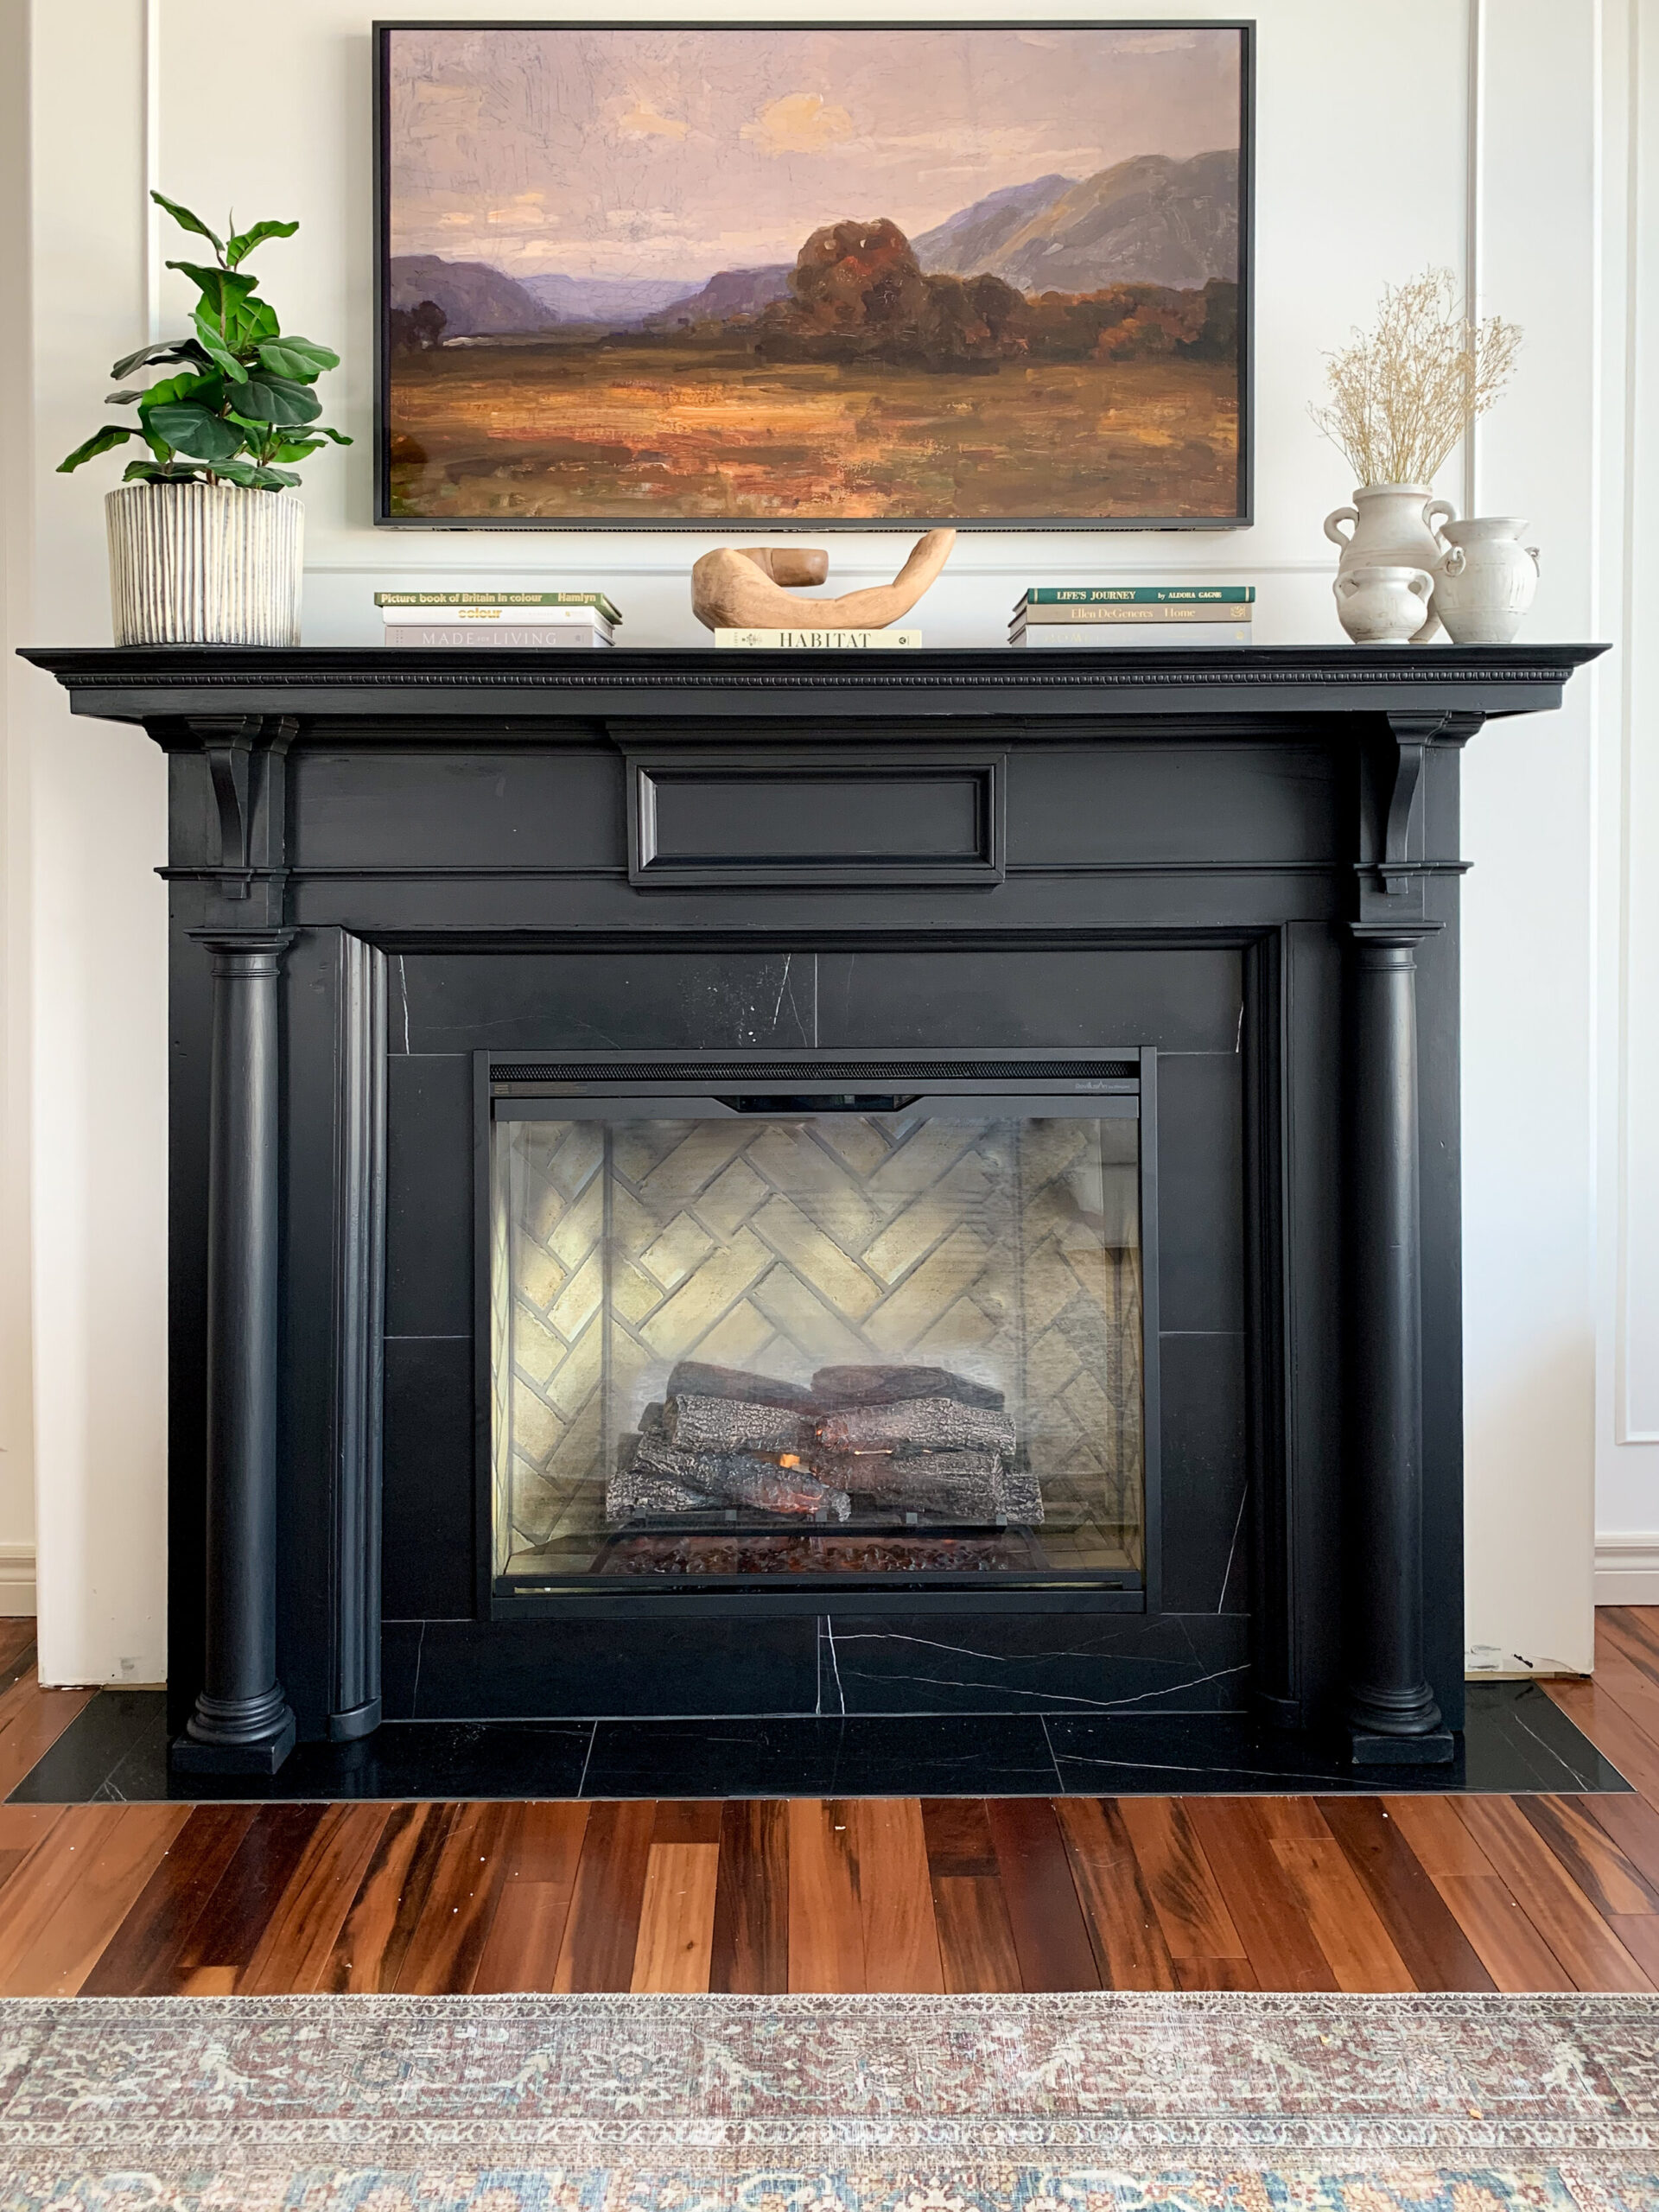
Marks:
<point>774,1340</point>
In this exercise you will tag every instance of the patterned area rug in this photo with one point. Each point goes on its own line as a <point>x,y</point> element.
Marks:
<point>1116,2103</point>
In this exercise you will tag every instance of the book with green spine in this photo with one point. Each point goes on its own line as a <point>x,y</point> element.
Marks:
<point>1132,595</point>
<point>499,598</point>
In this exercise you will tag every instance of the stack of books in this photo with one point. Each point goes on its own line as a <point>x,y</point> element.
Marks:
<point>551,618</point>
<point>1132,615</point>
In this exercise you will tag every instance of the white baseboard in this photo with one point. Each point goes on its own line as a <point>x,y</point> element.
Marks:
<point>1627,1568</point>
<point>17,1581</point>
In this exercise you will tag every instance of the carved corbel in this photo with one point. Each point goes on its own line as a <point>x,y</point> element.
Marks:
<point>246,766</point>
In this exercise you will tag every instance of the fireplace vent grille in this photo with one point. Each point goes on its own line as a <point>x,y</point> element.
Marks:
<point>810,1071</point>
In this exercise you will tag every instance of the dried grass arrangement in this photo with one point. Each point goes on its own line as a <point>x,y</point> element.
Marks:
<point>1404,393</point>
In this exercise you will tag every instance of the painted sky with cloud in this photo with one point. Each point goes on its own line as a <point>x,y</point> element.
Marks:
<point>677,153</point>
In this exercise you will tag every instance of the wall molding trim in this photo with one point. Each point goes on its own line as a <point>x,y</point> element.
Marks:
<point>1627,1567</point>
<point>17,1580</point>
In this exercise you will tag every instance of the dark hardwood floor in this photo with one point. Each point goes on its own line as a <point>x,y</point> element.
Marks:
<point>895,1893</point>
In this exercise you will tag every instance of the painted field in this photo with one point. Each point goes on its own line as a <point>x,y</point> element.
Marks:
<point>554,431</point>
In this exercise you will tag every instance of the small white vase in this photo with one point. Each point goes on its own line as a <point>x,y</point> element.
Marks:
<point>204,564</point>
<point>1487,579</point>
<point>1393,524</point>
<point>1381,603</point>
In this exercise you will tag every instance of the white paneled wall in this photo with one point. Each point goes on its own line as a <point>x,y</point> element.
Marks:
<point>1495,136</point>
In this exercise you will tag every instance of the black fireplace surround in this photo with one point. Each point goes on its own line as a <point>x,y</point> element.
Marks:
<point>1215,893</point>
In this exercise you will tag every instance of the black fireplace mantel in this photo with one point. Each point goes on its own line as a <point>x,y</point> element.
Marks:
<point>385,866</point>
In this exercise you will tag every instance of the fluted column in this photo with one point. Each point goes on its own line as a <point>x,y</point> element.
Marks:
<point>242,1723</point>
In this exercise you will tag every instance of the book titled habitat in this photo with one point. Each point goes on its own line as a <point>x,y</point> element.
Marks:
<point>689,276</point>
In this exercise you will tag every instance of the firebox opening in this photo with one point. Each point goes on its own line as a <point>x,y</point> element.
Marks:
<point>816,1345</point>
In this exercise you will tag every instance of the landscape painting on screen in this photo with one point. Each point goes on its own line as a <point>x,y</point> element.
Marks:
<point>691,276</point>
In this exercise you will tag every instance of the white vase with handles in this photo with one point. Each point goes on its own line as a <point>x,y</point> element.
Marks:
<point>1382,602</point>
<point>1394,527</point>
<point>1486,581</point>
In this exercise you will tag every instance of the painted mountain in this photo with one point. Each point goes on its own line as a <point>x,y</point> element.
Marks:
<point>477,301</point>
<point>733,292</point>
<point>973,239</point>
<point>1151,220</point>
<point>619,301</point>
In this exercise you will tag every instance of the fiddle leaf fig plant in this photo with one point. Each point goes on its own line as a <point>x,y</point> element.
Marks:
<point>242,405</point>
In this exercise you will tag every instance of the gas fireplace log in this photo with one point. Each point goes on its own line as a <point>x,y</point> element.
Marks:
<point>739,1479</point>
<point>928,1424</point>
<point>698,1378</point>
<point>634,1488</point>
<point>963,1485</point>
<point>835,1388</point>
<point>703,1424</point>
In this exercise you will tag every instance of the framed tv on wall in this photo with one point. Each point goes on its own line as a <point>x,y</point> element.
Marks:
<point>658,277</point>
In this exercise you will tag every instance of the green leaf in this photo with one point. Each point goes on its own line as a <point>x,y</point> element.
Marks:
<point>158,472</point>
<point>249,324</point>
<point>297,358</point>
<point>213,345</point>
<point>125,399</point>
<point>322,430</point>
<point>239,247</point>
<point>222,287</point>
<point>254,476</point>
<point>170,349</point>
<point>187,221</point>
<point>112,434</point>
<point>277,399</point>
<point>208,392</point>
<point>193,430</point>
<point>297,449</point>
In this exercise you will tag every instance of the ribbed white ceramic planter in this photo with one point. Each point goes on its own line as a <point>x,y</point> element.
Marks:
<point>204,564</point>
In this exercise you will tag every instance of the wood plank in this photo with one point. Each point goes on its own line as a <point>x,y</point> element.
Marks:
<point>1633,1825</point>
<point>1345,1925</point>
<point>1130,1952</point>
<point>521,1951</point>
<point>1195,1972</point>
<point>21,1826</point>
<point>1439,1840</point>
<point>958,1834</point>
<point>16,1640</point>
<point>826,1929</point>
<point>1508,1946</point>
<point>976,1949</point>
<point>369,1949</point>
<point>603,1925</point>
<point>1627,1685</point>
<point>142,1956</point>
<point>1553,1902</point>
<point>1591,1707</point>
<point>1627,1630</point>
<point>1436,1952</point>
<point>750,1948</point>
<point>1612,1883</point>
<point>1050,1937</point>
<point>31,1721</point>
<point>78,1884</point>
<point>1190,1909</point>
<point>227,1929</point>
<point>675,1946</point>
<point>1261,1897</point>
<point>446,1940</point>
<point>1639,1933</point>
<point>895,1897</point>
<point>293,1954</point>
<point>694,1819</point>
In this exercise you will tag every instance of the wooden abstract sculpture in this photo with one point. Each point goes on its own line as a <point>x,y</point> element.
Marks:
<point>748,586</point>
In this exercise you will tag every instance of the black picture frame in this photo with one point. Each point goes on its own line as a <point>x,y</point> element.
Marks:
<point>383,32</point>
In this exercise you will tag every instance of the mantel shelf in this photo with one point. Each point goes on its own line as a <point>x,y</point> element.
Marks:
<point>144,683</point>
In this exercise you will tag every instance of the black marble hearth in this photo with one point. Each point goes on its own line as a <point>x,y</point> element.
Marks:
<point>1199,910</point>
